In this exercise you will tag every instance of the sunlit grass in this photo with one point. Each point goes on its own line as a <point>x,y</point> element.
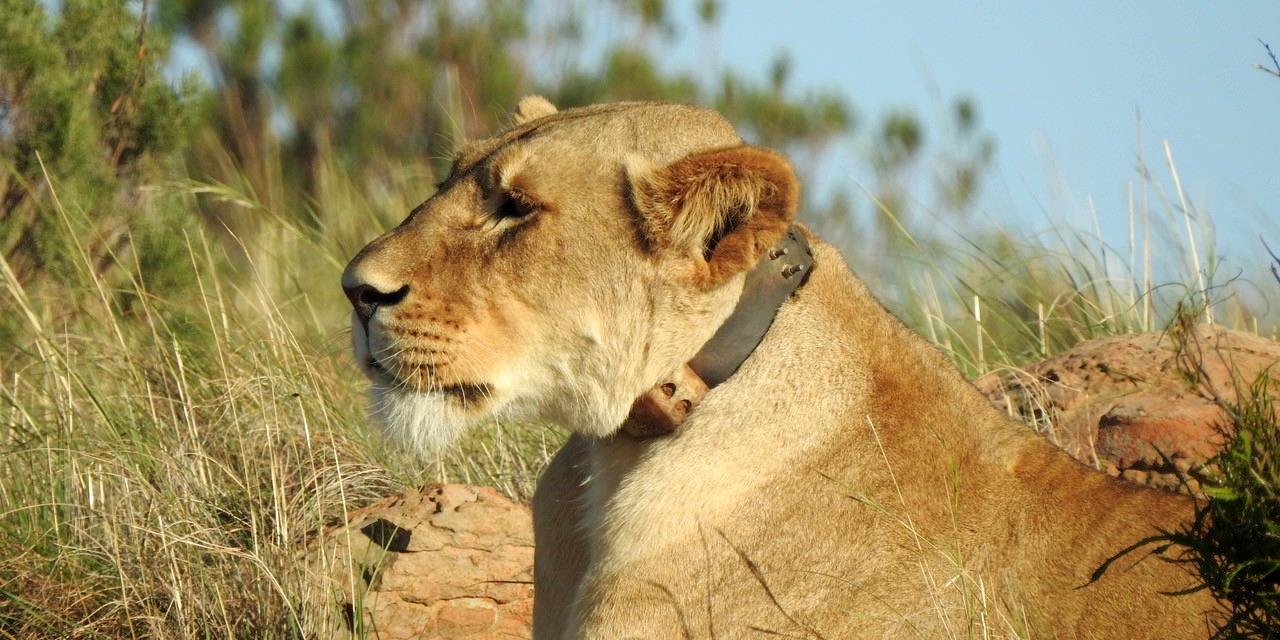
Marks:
<point>166,456</point>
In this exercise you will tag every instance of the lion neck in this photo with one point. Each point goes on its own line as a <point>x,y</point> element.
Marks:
<point>802,405</point>
<point>788,399</point>
<point>783,269</point>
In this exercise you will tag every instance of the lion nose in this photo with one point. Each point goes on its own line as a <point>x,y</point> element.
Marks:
<point>365,298</point>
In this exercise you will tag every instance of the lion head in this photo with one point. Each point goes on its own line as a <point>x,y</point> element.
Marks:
<point>564,267</point>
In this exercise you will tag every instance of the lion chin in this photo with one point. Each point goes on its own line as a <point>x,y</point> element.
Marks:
<point>424,422</point>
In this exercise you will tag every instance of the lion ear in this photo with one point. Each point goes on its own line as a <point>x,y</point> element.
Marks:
<point>724,207</point>
<point>531,108</point>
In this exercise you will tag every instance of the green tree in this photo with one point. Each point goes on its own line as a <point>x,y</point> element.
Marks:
<point>384,89</point>
<point>81,92</point>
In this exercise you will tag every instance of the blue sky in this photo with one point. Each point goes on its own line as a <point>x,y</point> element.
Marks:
<point>1059,86</point>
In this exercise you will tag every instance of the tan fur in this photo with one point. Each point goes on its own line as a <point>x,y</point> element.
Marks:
<point>746,193</point>
<point>845,482</point>
<point>531,108</point>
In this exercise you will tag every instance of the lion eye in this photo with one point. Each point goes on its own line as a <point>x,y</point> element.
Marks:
<point>513,207</point>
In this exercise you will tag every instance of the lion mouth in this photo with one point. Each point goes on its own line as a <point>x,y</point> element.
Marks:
<point>466,393</point>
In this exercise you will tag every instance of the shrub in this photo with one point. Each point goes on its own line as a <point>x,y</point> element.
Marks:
<point>1233,542</point>
<point>82,105</point>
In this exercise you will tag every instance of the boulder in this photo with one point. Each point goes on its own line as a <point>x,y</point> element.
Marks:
<point>1145,407</point>
<point>444,561</point>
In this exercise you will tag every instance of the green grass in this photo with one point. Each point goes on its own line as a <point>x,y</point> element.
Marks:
<point>179,419</point>
<point>1233,541</point>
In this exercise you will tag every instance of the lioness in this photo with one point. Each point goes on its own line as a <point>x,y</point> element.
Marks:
<point>842,480</point>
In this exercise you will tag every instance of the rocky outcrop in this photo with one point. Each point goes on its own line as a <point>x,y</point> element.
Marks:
<point>1120,403</point>
<point>446,561</point>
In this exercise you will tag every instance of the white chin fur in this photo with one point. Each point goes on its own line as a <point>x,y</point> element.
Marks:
<point>425,422</point>
<point>429,423</point>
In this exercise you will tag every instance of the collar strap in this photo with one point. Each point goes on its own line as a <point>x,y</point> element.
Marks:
<point>779,273</point>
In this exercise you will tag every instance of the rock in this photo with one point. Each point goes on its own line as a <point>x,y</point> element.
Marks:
<point>445,561</point>
<point>1186,429</point>
<point>1119,403</point>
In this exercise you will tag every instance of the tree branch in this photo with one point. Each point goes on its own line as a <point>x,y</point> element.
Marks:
<point>1274,63</point>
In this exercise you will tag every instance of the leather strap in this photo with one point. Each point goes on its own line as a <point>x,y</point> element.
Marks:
<point>779,273</point>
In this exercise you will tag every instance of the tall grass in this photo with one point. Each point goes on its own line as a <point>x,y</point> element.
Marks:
<point>996,298</point>
<point>175,426</point>
<point>166,456</point>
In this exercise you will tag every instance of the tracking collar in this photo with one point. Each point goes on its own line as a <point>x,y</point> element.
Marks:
<point>779,273</point>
